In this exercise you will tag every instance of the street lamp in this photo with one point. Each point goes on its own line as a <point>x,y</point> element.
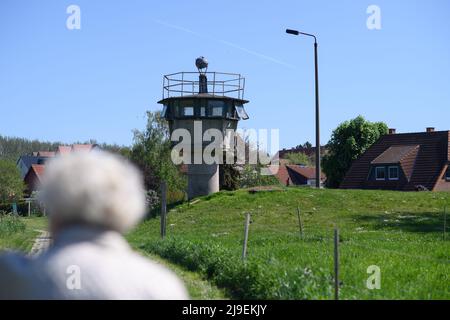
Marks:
<point>318,171</point>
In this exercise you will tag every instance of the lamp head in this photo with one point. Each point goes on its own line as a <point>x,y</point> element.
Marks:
<point>294,32</point>
<point>202,64</point>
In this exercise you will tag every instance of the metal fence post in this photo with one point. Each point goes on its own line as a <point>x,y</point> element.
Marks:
<point>336,264</point>
<point>163,208</point>
<point>244,249</point>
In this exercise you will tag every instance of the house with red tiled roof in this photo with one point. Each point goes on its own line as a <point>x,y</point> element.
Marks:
<point>33,177</point>
<point>294,174</point>
<point>32,167</point>
<point>63,150</point>
<point>83,147</point>
<point>406,162</point>
<point>46,154</point>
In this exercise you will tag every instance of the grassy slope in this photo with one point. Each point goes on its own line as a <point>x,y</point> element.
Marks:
<point>23,241</point>
<point>399,232</point>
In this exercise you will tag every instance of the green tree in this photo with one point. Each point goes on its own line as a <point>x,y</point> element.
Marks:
<point>348,141</point>
<point>229,175</point>
<point>298,158</point>
<point>151,153</point>
<point>11,184</point>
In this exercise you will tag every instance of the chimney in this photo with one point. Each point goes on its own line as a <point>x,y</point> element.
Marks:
<point>430,129</point>
<point>392,131</point>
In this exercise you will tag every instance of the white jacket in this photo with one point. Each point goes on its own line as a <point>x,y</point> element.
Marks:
<point>87,263</point>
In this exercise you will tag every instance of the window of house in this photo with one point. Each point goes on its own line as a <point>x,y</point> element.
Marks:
<point>393,173</point>
<point>380,173</point>
<point>447,175</point>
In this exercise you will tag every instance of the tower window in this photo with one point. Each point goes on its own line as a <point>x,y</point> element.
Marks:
<point>164,111</point>
<point>216,111</point>
<point>380,173</point>
<point>216,108</point>
<point>241,112</point>
<point>188,111</point>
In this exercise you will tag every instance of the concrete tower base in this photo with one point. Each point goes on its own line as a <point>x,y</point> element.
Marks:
<point>203,179</point>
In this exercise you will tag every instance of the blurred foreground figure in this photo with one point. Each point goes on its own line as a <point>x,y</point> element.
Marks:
<point>92,198</point>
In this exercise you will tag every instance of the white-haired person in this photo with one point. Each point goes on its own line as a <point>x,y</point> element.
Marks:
<point>91,198</point>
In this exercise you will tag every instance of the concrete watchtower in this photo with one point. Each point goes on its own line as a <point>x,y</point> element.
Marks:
<point>214,99</point>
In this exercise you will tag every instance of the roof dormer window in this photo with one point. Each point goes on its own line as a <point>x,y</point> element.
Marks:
<point>393,173</point>
<point>380,173</point>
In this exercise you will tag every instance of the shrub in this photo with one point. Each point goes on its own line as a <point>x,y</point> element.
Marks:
<point>151,199</point>
<point>10,224</point>
<point>22,208</point>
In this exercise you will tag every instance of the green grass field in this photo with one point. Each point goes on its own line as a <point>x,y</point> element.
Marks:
<point>22,240</point>
<point>401,233</point>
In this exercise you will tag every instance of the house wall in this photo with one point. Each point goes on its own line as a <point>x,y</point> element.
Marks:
<point>386,184</point>
<point>31,180</point>
<point>297,178</point>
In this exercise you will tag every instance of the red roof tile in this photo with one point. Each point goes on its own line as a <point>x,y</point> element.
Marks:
<point>289,174</point>
<point>307,172</point>
<point>62,150</point>
<point>48,154</point>
<point>82,147</point>
<point>395,154</point>
<point>38,170</point>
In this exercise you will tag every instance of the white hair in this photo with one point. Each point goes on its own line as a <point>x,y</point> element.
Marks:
<point>93,188</point>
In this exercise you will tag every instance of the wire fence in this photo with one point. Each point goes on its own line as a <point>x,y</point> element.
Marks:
<point>343,250</point>
<point>23,207</point>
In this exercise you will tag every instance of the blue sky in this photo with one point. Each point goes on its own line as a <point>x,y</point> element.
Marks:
<point>97,82</point>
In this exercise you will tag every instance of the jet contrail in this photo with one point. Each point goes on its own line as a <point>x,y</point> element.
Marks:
<point>227,43</point>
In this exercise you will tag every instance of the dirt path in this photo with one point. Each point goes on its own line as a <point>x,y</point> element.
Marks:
<point>41,243</point>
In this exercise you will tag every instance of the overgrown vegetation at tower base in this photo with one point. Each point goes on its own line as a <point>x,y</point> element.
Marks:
<point>402,233</point>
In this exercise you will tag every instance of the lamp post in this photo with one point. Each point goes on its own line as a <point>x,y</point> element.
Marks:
<point>318,171</point>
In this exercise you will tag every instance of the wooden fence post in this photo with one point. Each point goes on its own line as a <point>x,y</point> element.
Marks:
<point>163,208</point>
<point>336,264</point>
<point>300,224</point>
<point>445,221</point>
<point>244,249</point>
